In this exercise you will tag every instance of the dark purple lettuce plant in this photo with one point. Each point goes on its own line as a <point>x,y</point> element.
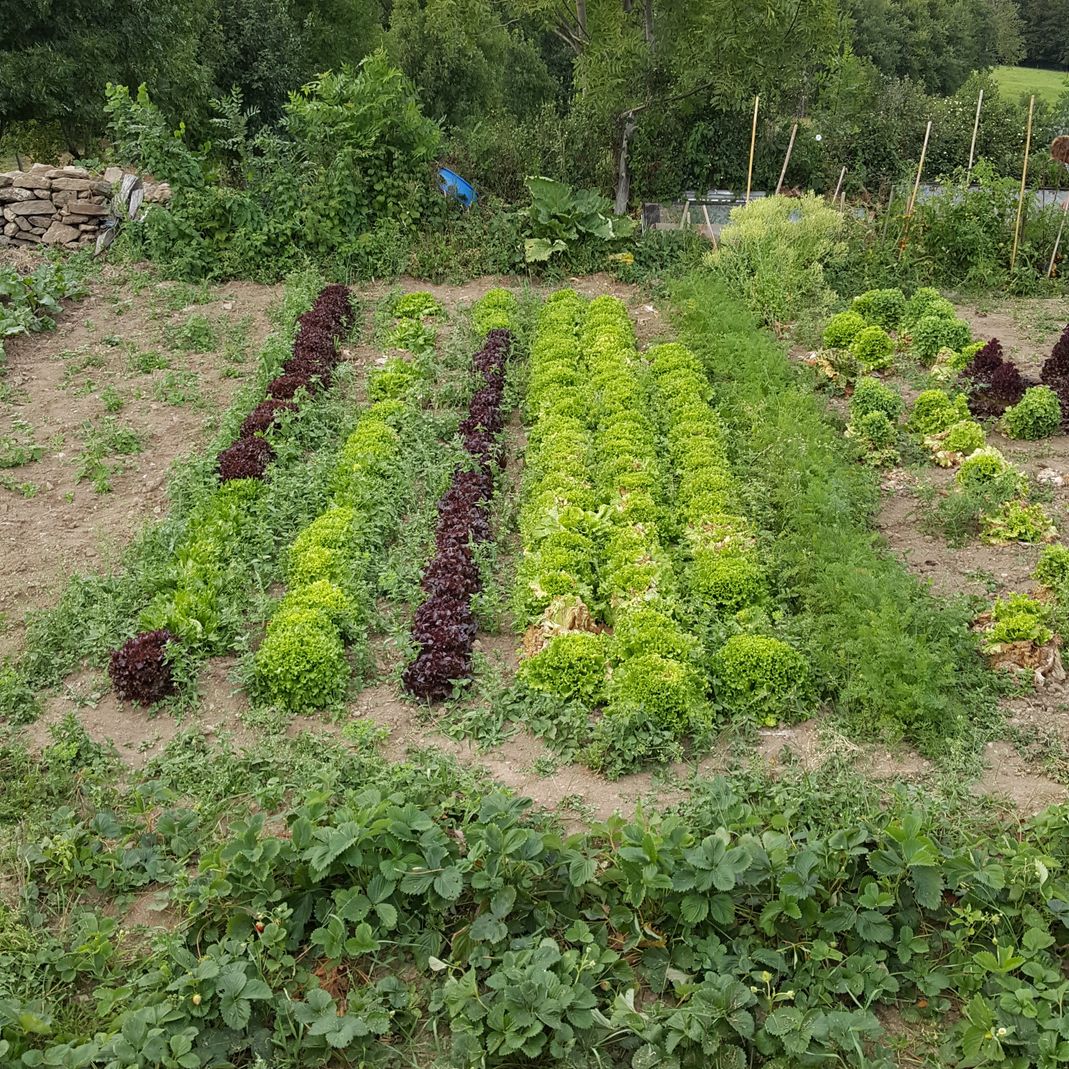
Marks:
<point>444,625</point>
<point>139,669</point>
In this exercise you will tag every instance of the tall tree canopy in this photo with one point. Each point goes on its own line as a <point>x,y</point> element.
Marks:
<point>1046,32</point>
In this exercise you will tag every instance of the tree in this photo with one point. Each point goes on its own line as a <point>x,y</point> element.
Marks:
<point>57,56</point>
<point>1044,25</point>
<point>454,52</point>
<point>632,56</point>
<point>259,52</point>
<point>937,43</point>
<point>336,32</point>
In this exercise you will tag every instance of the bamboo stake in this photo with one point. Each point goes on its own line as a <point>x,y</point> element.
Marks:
<point>708,222</point>
<point>838,185</point>
<point>685,219</point>
<point>904,239</point>
<point>1024,179</point>
<point>787,158</point>
<point>975,131</point>
<point>753,144</point>
<point>920,169</point>
<point>887,216</point>
<point>1058,239</point>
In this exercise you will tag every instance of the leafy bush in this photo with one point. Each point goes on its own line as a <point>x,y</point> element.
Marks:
<point>965,436</point>
<point>1018,618</point>
<point>1056,367</point>
<point>350,166</point>
<point>140,670</point>
<point>560,215</point>
<point>934,412</point>
<point>872,348</point>
<point>774,252</point>
<point>760,676</point>
<point>247,458</point>
<point>877,436</point>
<point>571,666</point>
<point>926,301</point>
<point>327,598</point>
<point>871,395</point>
<point>644,629</point>
<point>726,582</point>
<point>985,362</point>
<point>1052,568</point>
<point>1037,415</point>
<point>931,333</point>
<point>958,441</point>
<point>842,329</point>
<point>985,465</point>
<point>998,382</point>
<point>881,307</point>
<point>394,380</point>
<point>417,305</point>
<point>496,310</point>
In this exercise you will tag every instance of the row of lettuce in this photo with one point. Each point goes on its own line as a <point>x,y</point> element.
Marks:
<point>635,553</point>
<point>445,627</point>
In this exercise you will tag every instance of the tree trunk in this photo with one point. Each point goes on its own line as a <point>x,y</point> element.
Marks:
<point>580,16</point>
<point>647,26</point>
<point>623,176</point>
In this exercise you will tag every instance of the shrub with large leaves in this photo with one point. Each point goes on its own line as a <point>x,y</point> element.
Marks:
<point>560,215</point>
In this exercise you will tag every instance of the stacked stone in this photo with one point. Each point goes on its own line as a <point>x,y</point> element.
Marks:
<point>53,206</point>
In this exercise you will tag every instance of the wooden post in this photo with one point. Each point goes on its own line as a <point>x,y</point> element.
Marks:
<point>1024,179</point>
<point>787,158</point>
<point>1058,239</point>
<point>753,144</point>
<point>708,223</point>
<point>838,185</point>
<point>975,131</point>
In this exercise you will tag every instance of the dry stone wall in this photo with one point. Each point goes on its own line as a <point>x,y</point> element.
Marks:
<point>69,206</point>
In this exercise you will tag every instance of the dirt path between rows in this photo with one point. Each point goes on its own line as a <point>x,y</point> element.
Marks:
<point>122,369</point>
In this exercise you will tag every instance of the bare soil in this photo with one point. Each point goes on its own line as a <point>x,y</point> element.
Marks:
<point>58,384</point>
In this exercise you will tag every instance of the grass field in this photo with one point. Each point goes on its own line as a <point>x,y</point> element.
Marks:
<point>1016,81</point>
